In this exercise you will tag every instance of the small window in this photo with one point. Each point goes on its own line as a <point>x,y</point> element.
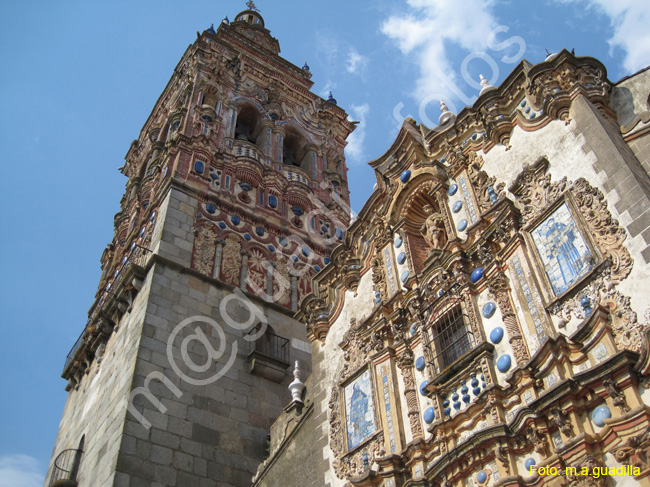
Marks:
<point>451,338</point>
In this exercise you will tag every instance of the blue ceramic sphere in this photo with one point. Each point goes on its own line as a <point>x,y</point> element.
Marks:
<point>447,411</point>
<point>339,234</point>
<point>466,398</point>
<point>454,394</point>
<point>199,166</point>
<point>529,463</point>
<point>247,236</point>
<point>489,309</point>
<point>317,268</point>
<point>420,363</point>
<point>259,231</point>
<point>477,274</point>
<point>398,242</point>
<point>422,386</point>
<point>457,406</point>
<point>457,206</point>
<point>326,260</point>
<point>600,414</point>
<point>496,335</point>
<point>413,329</point>
<point>476,391</point>
<point>406,175</point>
<point>222,225</point>
<point>210,208</point>
<point>452,190</point>
<point>401,258</point>
<point>404,276</point>
<point>305,251</point>
<point>462,225</point>
<point>504,362</point>
<point>273,201</point>
<point>429,415</point>
<point>271,248</point>
<point>481,477</point>
<point>235,220</point>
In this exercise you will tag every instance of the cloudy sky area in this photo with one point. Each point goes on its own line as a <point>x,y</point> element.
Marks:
<point>80,79</point>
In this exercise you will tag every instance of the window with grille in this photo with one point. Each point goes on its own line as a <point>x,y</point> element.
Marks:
<point>452,338</point>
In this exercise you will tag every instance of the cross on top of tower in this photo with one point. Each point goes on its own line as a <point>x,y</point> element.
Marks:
<point>251,5</point>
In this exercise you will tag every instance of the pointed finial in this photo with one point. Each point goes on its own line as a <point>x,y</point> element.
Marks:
<point>225,20</point>
<point>306,66</point>
<point>211,29</point>
<point>485,85</point>
<point>296,387</point>
<point>445,115</point>
<point>331,99</point>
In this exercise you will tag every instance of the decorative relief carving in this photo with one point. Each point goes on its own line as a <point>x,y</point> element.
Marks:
<point>616,394</point>
<point>379,277</point>
<point>562,421</point>
<point>204,248</point>
<point>231,260</point>
<point>606,231</point>
<point>593,479</point>
<point>501,290</point>
<point>486,191</point>
<point>627,330</point>
<point>635,451</point>
<point>405,364</point>
<point>538,440</point>
<point>433,230</point>
<point>535,191</point>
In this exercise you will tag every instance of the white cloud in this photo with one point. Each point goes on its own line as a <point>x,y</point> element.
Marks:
<point>20,470</point>
<point>630,20</point>
<point>356,62</point>
<point>434,23</point>
<point>355,150</point>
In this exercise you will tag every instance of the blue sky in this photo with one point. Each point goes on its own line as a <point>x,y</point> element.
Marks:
<point>80,78</point>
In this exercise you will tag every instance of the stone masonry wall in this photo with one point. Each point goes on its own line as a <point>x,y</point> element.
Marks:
<point>97,408</point>
<point>213,426</point>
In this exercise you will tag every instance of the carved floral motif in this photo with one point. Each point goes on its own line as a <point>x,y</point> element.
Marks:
<point>231,260</point>
<point>204,248</point>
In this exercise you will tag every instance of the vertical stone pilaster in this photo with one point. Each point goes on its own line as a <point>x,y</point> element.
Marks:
<point>498,285</point>
<point>216,271</point>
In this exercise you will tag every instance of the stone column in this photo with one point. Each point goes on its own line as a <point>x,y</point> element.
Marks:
<point>294,293</point>
<point>216,271</point>
<point>244,269</point>
<point>270,269</point>
<point>498,285</point>
<point>405,364</point>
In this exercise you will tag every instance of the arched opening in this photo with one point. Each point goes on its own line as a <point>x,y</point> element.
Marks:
<point>248,123</point>
<point>296,150</point>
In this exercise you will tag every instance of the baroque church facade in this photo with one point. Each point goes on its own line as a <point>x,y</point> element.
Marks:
<point>483,322</point>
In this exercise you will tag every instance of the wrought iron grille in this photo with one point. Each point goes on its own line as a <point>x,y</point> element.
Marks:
<point>451,338</point>
<point>270,345</point>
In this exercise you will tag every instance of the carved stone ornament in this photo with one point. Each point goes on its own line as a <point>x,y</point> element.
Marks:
<point>536,193</point>
<point>482,183</point>
<point>616,394</point>
<point>379,277</point>
<point>352,464</point>
<point>231,260</point>
<point>405,364</point>
<point>204,247</point>
<point>501,290</point>
<point>355,350</point>
<point>627,330</point>
<point>433,230</point>
<point>592,477</point>
<point>635,451</point>
<point>538,440</point>
<point>562,421</point>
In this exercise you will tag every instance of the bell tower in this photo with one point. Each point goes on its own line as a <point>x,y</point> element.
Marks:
<point>236,195</point>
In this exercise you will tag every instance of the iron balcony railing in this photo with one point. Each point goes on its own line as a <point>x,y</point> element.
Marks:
<point>66,466</point>
<point>270,345</point>
<point>136,256</point>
